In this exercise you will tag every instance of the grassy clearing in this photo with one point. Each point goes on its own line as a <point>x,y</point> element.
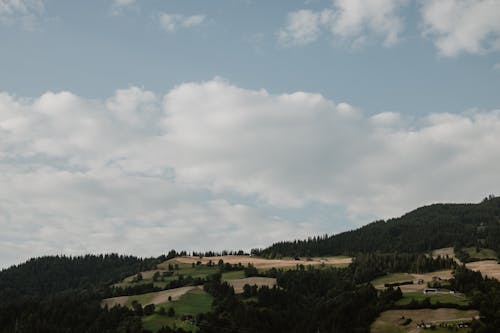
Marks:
<point>481,253</point>
<point>392,321</point>
<point>391,278</point>
<point>200,271</point>
<point>194,302</point>
<point>233,275</point>
<point>434,298</point>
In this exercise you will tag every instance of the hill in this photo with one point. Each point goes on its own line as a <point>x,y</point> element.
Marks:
<point>422,230</point>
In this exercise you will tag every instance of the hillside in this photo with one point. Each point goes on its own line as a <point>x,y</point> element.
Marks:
<point>424,229</point>
<point>308,291</point>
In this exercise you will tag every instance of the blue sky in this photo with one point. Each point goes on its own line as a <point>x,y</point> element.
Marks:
<point>139,126</point>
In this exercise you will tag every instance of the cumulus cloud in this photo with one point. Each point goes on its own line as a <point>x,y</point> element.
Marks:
<point>209,164</point>
<point>351,20</point>
<point>24,12</point>
<point>462,26</point>
<point>172,22</point>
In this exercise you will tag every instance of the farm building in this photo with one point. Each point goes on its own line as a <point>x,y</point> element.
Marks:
<point>430,291</point>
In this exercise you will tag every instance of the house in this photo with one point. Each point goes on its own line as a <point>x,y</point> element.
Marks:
<point>168,273</point>
<point>430,291</point>
<point>420,281</point>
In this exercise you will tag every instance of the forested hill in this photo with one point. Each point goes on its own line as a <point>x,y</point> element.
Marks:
<point>424,229</point>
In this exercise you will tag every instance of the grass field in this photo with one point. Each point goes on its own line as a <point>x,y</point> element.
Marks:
<point>481,254</point>
<point>193,302</point>
<point>158,297</point>
<point>185,269</point>
<point>442,298</point>
<point>392,321</point>
<point>391,278</point>
<point>232,275</point>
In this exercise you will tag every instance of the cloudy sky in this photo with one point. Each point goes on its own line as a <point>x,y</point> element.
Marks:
<point>139,126</point>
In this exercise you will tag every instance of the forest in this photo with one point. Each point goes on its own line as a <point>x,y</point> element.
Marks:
<point>422,230</point>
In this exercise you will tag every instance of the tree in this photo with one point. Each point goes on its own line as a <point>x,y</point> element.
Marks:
<point>149,309</point>
<point>171,312</point>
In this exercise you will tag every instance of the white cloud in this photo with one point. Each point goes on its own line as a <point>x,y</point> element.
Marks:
<point>462,26</point>
<point>24,12</point>
<point>302,28</point>
<point>200,167</point>
<point>355,19</point>
<point>119,6</point>
<point>351,20</point>
<point>172,22</point>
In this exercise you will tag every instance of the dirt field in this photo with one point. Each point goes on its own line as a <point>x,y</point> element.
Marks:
<point>149,298</point>
<point>266,263</point>
<point>392,320</point>
<point>427,277</point>
<point>488,268</point>
<point>259,281</point>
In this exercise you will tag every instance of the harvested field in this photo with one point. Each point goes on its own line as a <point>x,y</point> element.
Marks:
<point>489,268</point>
<point>263,263</point>
<point>149,298</point>
<point>259,281</point>
<point>110,302</point>
<point>392,320</point>
<point>446,251</point>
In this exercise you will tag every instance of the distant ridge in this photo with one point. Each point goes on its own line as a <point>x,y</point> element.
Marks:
<point>421,230</point>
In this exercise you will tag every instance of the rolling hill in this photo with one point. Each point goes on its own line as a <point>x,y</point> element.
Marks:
<point>422,230</point>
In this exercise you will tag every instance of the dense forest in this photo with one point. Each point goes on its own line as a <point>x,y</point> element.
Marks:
<point>422,230</point>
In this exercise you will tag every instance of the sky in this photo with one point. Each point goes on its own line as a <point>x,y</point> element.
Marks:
<point>136,126</point>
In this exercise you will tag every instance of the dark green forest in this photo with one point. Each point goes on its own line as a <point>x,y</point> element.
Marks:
<point>424,229</point>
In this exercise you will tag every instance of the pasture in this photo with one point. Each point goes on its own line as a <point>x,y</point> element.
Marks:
<point>156,298</point>
<point>444,298</point>
<point>193,302</point>
<point>393,321</point>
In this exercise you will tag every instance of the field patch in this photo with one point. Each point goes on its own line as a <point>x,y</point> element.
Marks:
<point>392,278</point>
<point>191,303</point>
<point>156,298</point>
<point>444,298</point>
<point>401,277</point>
<point>444,252</point>
<point>481,253</point>
<point>263,263</point>
<point>394,320</point>
<point>259,281</point>
<point>489,268</point>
